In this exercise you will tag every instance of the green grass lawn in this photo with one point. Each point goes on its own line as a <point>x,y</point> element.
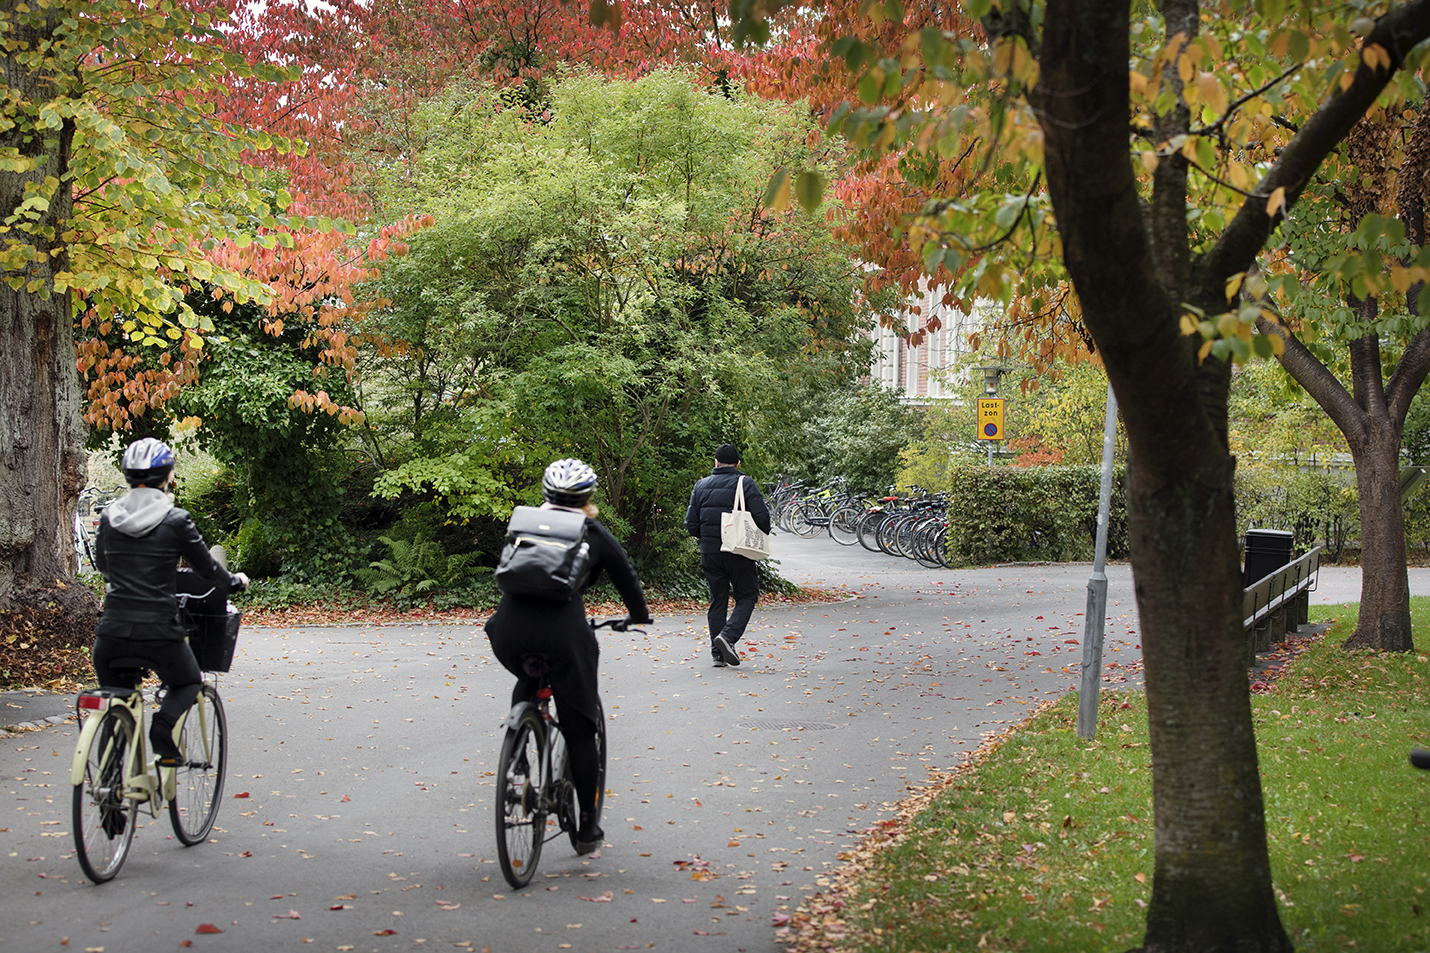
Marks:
<point>1046,844</point>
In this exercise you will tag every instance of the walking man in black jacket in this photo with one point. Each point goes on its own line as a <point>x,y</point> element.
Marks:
<point>715,495</point>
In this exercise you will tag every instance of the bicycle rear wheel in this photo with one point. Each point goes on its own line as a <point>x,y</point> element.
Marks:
<point>520,799</point>
<point>198,781</point>
<point>103,820</point>
<point>574,829</point>
<point>928,536</point>
<point>801,521</point>
<point>869,530</point>
<point>844,524</point>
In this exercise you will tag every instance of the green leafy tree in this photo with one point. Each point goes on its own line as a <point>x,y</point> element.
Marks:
<point>246,398</point>
<point>606,285</point>
<point>1340,236</point>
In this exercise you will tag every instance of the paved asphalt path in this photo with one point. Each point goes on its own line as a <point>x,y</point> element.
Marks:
<point>357,811</point>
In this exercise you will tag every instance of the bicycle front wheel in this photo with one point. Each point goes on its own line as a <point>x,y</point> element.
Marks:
<point>600,780</point>
<point>103,820</point>
<point>198,780</point>
<point>520,799</point>
<point>844,524</point>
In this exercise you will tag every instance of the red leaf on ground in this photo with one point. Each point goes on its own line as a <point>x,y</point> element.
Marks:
<point>241,794</point>
<point>207,928</point>
<point>384,933</point>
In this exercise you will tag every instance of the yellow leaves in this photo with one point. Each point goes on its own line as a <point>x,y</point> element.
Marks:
<point>1185,68</point>
<point>1277,201</point>
<point>1375,55</point>
<point>777,193</point>
<point>1189,325</point>
<point>1150,161</point>
<point>1233,284</point>
<point>1399,279</point>
<point>1210,92</point>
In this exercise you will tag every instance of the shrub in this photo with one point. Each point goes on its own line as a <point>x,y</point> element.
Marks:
<point>1033,513</point>
<point>1314,505</point>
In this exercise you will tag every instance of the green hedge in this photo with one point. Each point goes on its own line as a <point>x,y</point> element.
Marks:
<point>1032,514</point>
<point>1316,506</point>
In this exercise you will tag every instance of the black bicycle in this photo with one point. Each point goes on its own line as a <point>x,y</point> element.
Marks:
<point>536,796</point>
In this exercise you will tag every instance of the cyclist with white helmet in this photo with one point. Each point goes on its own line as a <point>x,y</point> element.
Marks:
<point>531,625</point>
<point>141,538</point>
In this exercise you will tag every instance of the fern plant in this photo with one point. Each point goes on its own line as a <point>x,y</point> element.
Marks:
<point>415,568</point>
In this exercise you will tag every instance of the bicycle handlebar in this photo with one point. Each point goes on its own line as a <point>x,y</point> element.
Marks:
<point>623,624</point>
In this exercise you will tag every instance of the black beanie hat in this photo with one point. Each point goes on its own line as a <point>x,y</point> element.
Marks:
<point>727,453</point>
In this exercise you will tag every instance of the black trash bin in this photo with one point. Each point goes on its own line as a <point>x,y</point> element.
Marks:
<point>1267,550</point>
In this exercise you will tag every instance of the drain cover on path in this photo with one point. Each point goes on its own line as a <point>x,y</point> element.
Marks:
<point>789,725</point>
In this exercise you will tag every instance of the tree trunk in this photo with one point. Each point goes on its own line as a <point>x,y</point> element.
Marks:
<point>1212,886</point>
<point>42,459</point>
<point>1384,621</point>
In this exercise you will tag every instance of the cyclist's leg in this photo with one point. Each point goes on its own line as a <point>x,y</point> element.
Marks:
<point>176,667</point>
<point>585,760</point>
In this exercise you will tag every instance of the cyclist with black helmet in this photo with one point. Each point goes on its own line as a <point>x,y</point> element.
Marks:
<point>531,625</point>
<point>142,535</point>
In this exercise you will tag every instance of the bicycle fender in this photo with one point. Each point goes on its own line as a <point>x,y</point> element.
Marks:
<point>514,716</point>
<point>81,749</point>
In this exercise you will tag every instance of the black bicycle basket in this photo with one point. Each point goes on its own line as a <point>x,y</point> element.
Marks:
<point>213,636</point>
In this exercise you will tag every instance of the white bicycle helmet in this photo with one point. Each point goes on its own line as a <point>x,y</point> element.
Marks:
<point>146,462</point>
<point>568,482</point>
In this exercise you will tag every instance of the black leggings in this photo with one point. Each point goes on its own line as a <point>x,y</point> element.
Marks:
<point>580,733</point>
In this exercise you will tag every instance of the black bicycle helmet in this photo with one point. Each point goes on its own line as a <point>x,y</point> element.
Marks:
<point>568,482</point>
<point>147,462</point>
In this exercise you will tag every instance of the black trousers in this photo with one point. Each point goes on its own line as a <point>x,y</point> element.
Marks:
<point>725,572</point>
<point>170,659</point>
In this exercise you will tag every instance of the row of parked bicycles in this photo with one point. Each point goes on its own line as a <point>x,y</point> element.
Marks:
<point>914,526</point>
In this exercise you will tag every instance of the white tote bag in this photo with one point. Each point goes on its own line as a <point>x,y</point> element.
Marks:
<point>738,532</point>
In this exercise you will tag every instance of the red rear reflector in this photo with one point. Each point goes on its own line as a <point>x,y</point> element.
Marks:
<point>91,701</point>
<point>543,693</point>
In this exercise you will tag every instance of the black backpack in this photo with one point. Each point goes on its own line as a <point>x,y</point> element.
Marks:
<point>546,554</point>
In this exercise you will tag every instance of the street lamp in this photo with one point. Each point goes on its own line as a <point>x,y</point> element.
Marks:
<point>991,375</point>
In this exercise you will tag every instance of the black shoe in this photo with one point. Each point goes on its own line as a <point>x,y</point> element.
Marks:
<point>719,662</point>
<point>589,838</point>
<point>161,741</point>
<point>724,652</point>
<point>1421,759</point>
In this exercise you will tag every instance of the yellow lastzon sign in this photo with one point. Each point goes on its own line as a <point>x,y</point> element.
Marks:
<point>990,418</point>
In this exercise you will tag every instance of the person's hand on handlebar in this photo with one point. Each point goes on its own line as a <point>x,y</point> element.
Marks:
<point>624,624</point>
<point>242,579</point>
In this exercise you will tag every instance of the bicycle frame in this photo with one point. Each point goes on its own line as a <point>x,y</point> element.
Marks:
<point>140,782</point>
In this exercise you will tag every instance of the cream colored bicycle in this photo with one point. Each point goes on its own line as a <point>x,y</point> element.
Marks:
<point>114,777</point>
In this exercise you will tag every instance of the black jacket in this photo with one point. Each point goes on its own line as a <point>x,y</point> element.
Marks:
<point>141,537</point>
<point>715,495</point>
<point>531,625</point>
